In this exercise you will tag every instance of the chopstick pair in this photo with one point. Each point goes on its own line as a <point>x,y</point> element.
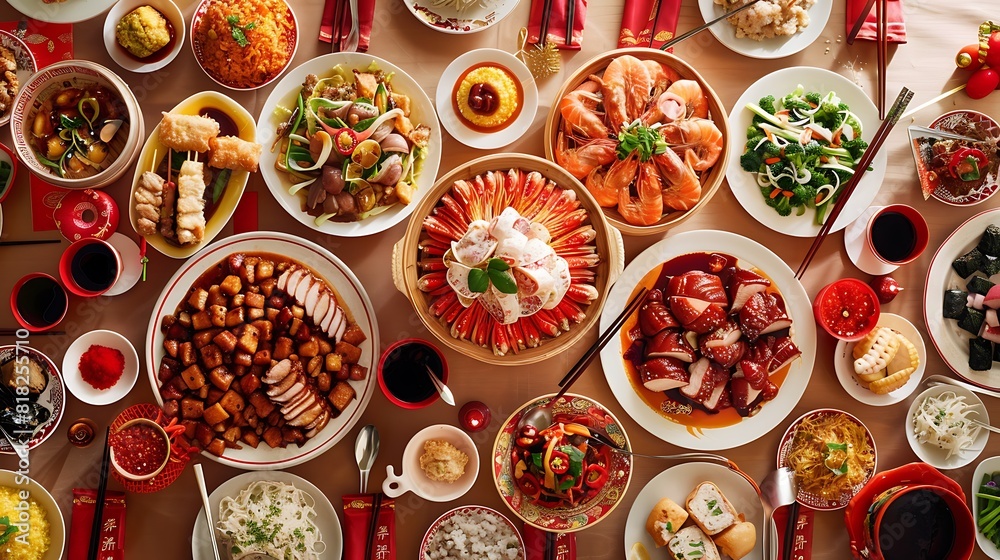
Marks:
<point>543,29</point>
<point>902,100</point>
<point>102,490</point>
<point>696,30</point>
<point>338,23</point>
<point>373,525</point>
<point>882,43</point>
<point>577,370</point>
<point>28,242</point>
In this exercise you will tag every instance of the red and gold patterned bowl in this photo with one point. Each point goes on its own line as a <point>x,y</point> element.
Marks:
<point>587,513</point>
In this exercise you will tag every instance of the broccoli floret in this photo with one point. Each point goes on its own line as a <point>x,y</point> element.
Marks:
<point>752,141</point>
<point>767,103</point>
<point>753,130</point>
<point>814,97</point>
<point>777,167</point>
<point>751,161</point>
<point>769,150</point>
<point>856,146</point>
<point>803,195</point>
<point>819,179</point>
<point>781,204</point>
<point>786,183</point>
<point>813,149</point>
<point>796,103</point>
<point>794,148</point>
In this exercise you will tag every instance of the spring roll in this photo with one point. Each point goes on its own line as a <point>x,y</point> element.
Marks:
<point>148,201</point>
<point>190,203</point>
<point>231,152</point>
<point>187,133</point>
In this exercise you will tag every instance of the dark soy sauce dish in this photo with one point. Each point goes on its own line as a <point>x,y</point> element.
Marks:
<point>402,373</point>
<point>920,523</point>
<point>38,302</point>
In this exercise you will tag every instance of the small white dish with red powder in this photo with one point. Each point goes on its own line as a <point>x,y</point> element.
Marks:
<point>100,367</point>
<point>140,449</point>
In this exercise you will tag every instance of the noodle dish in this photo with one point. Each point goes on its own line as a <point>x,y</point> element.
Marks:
<point>272,518</point>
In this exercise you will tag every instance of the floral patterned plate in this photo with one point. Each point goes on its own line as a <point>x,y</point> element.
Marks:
<point>52,397</point>
<point>586,514</point>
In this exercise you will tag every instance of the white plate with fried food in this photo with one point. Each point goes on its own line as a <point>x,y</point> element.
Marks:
<point>876,388</point>
<point>677,484</point>
<point>766,20</point>
<point>219,137</point>
<point>17,64</point>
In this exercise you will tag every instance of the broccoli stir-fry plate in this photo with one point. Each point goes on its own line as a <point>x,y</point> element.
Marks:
<point>802,148</point>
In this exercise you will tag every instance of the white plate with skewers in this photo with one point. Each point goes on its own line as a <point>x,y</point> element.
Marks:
<point>221,195</point>
<point>460,17</point>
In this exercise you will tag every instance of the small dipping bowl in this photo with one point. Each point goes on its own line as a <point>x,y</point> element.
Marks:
<point>847,301</point>
<point>907,519</point>
<point>83,390</point>
<point>412,477</point>
<point>89,267</point>
<point>160,58</point>
<point>38,302</point>
<point>140,443</point>
<point>402,374</point>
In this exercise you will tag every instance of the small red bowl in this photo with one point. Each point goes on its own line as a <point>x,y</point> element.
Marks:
<point>397,351</point>
<point>847,309</point>
<point>885,532</point>
<point>57,292</point>
<point>66,267</point>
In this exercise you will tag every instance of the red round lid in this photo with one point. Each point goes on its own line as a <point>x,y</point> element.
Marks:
<point>86,213</point>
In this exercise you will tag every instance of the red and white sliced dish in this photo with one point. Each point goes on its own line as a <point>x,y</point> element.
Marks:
<point>951,342</point>
<point>779,84</point>
<point>350,294</point>
<point>676,483</point>
<point>702,431</point>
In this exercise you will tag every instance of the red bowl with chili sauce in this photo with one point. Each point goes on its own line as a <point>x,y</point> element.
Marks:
<point>847,309</point>
<point>140,449</point>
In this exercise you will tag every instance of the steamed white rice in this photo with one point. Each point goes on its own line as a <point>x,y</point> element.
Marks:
<point>768,18</point>
<point>477,535</point>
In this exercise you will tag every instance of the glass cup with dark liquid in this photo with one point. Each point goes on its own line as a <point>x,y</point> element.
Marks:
<point>897,234</point>
<point>402,373</point>
<point>90,267</point>
<point>38,302</point>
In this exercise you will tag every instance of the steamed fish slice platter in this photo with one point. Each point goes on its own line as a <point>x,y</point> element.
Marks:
<point>711,343</point>
<point>192,172</point>
<point>262,349</point>
<point>347,147</point>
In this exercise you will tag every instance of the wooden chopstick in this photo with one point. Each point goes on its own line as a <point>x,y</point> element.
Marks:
<point>29,242</point>
<point>698,29</point>
<point>789,541</point>
<point>543,29</point>
<point>602,341</point>
<point>860,22</point>
<point>882,46</point>
<point>570,16</point>
<point>550,546</point>
<point>102,490</point>
<point>902,100</point>
<point>338,17</point>
<point>373,526</point>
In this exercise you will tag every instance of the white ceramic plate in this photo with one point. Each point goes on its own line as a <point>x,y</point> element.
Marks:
<point>326,519</point>
<point>70,11</point>
<point>447,19</point>
<point>412,477</point>
<point>498,519</point>
<point>987,466</point>
<point>676,483</point>
<point>284,94</point>
<point>935,456</point>
<point>57,525</point>
<point>131,261</point>
<point>952,342</point>
<point>153,152</point>
<point>26,65</point>
<point>453,123</point>
<point>352,296</point>
<point>798,302</point>
<point>52,398</point>
<point>775,47</point>
<point>779,84</point>
<point>843,362</point>
<point>85,391</point>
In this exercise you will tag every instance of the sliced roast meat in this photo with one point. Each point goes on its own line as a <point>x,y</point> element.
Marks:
<point>654,315</point>
<point>763,313</point>
<point>699,285</point>
<point>742,284</point>
<point>702,381</point>
<point>663,374</point>
<point>670,344</point>
<point>278,372</point>
<point>784,352</point>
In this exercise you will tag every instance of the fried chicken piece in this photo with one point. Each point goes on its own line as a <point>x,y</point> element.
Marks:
<point>148,201</point>
<point>190,203</point>
<point>231,152</point>
<point>187,133</point>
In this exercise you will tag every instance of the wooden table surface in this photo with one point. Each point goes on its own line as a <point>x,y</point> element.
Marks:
<point>159,525</point>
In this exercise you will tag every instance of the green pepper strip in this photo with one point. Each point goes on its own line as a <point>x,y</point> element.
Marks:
<point>94,105</point>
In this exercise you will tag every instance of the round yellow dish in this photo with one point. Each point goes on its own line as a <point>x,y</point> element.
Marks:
<point>488,97</point>
<point>21,545</point>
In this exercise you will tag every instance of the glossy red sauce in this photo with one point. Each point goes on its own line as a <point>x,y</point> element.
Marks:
<point>139,449</point>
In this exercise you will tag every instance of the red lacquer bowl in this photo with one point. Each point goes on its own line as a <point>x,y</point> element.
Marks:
<point>847,309</point>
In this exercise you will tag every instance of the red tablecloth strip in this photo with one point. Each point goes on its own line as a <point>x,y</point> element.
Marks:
<point>366,13</point>
<point>557,23</point>
<point>648,23</point>
<point>895,27</point>
<point>245,216</point>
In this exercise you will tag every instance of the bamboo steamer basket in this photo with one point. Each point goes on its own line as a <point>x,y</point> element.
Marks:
<point>405,254</point>
<point>710,181</point>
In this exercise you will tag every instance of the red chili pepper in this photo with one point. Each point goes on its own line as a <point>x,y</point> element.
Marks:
<point>529,485</point>
<point>528,437</point>
<point>595,476</point>
<point>559,462</point>
<point>966,164</point>
<point>345,140</point>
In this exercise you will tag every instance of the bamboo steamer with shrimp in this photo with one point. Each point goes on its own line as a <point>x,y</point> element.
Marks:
<point>643,131</point>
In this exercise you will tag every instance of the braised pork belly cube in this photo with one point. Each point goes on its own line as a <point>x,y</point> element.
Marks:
<point>262,405</point>
<point>354,335</point>
<point>217,315</point>
<point>221,378</point>
<point>211,356</point>
<point>265,269</point>
<point>248,337</point>
<point>193,377</point>
<point>351,353</point>
<point>272,437</point>
<point>235,317</point>
<point>250,438</point>
<point>168,369</point>
<point>232,402</point>
<point>201,321</point>
<point>170,346</point>
<point>192,408</point>
<point>341,395</point>
<point>171,408</point>
<point>663,374</point>
<point>763,313</point>
<point>249,383</point>
<point>357,373</point>
<point>173,389</point>
<point>742,284</point>
<point>216,447</point>
<point>203,434</point>
<point>187,354</point>
<point>231,285</point>
<point>198,299</point>
<point>215,414</point>
<point>226,341</point>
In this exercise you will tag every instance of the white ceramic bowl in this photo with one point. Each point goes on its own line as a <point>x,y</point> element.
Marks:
<point>987,466</point>
<point>935,456</point>
<point>57,525</point>
<point>497,518</point>
<point>412,478</point>
<point>43,84</point>
<point>142,477</point>
<point>85,391</point>
<point>157,60</point>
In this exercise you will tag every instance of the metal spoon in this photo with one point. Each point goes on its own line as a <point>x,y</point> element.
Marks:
<point>365,452</point>
<point>934,380</point>
<point>442,389</point>
<point>109,129</point>
<point>778,489</point>
<point>199,474</point>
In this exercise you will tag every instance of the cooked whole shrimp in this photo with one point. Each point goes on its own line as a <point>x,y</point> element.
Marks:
<point>682,189</point>
<point>606,187</point>
<point>589,154</point>
<point>626,85</point>
<point>579,111</point>
<point>698,140</point>
<point>646,208</point>
<point>695,99</point>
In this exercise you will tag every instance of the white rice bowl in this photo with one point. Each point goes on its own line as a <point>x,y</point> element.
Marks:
<point>467,534</point>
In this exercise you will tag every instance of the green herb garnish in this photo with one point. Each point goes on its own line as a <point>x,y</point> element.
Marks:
<point>830,448</point>
<point>8,529</point>
<point>497,272</point>
<point>238,32</point>
<point>637,137</point>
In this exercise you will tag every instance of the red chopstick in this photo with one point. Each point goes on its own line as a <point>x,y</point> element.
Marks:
<point>882,47</point>
<point>860,22</point>
<point>902,100</point>
<point>338,22</point>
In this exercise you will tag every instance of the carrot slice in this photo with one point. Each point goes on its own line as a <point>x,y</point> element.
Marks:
<point>771,160</point>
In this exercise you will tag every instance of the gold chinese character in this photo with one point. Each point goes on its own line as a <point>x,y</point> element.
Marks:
<point>800,542</point>
<point>110,524</point>
<point>108,543</point>
<point>383,532</point>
